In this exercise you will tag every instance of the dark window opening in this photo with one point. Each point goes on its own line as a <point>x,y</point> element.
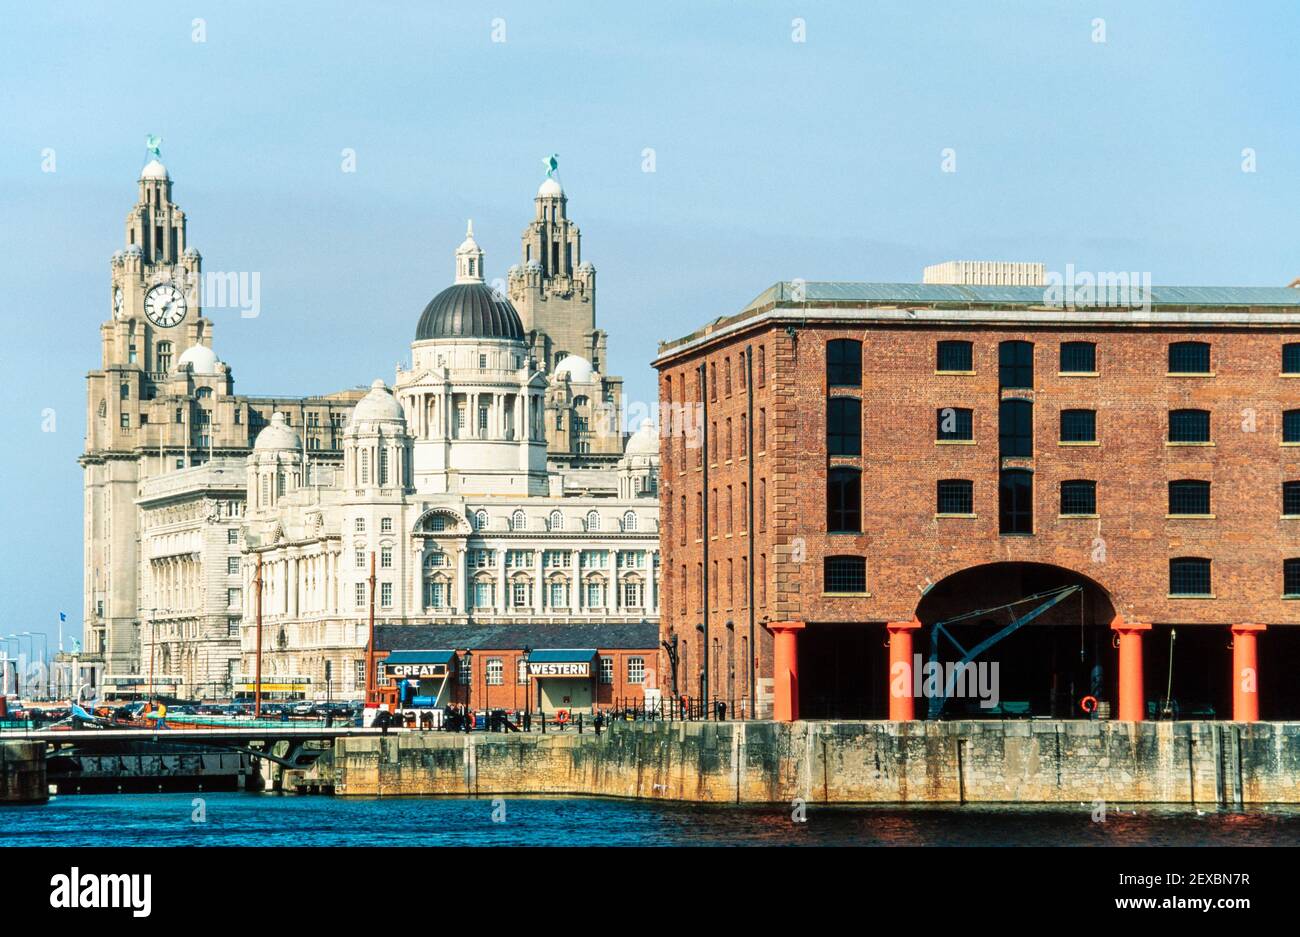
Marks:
<point>1016,502</point>
<point>1078,497</point>
<point>1189,425</point>
<point>844,426</point>
<point>1291,358</point>
<point>1189,358</point>
<point>1291,498</point>
<point>1016,428</point>
<point>845,574</point>
<point>956,496</point>
<point>1291,426</point>
<point>1291,577</point>
<point>1078,426</point>
<point>955,356</point>
<point>1189,497</point>
<point>844,363</point>
<point>1016,365</point>
<point>844,500</point>
<point>1078,358</point>
<point>1189,576</point>
<point>954,423</point>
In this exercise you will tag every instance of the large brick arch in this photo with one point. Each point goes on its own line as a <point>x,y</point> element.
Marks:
<point>988,585</point>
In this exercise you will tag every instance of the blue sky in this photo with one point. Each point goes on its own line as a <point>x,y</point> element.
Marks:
<point>774,159</point>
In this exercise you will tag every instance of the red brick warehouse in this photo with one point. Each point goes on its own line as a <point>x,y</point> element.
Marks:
<point>846,464</point>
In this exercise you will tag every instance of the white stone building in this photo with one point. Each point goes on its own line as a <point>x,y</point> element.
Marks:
<point>479,426</point>
<point>445,491</point>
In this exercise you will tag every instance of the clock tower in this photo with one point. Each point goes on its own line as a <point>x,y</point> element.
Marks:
<point>153,318</point>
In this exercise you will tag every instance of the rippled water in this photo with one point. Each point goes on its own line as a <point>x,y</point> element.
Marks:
<point>242,819</point>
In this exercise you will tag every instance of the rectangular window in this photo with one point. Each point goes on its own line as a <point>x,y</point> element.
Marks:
<point>762,429</point>
<point>607,670</point>
<point>466,670</point>
<point>636,670</point>
<point>762,366</point>
<point>483,595</point>
<point>1291,498</point>
<point>559,595</point>
<point>496,671</point>
<point>1189,497</point>
<point>1189,425</point>
<point>386,558</point>
<point>844,500</point>
<point>955,356</point>
<point>386,594</point>
<point>232,535</point>
<point>954,423</point>
<point>844,426</point>
<point>232,627</point>
<point>125,420</point>
<point>1016,428</point>
<point>521,670</point>
<point>1291,426</point>
<point>1016,502</point>
<point>360,595</point>
<point>955,496</point>
<point>1291,358</point>
<point>843,363</point>
<point>519,595</point>
<point>1189,576</point>
<point>386,525</point>
<point>1016,365</point>
<point>1078,358</point>
<point>1078,426</point>
<point>846,574</point>
<point>234,597</point>
<point>1291,578</point>
<point>232,565</point>
<point>360,559</point>
<point>1189,358</point>
<point>1078,497</point>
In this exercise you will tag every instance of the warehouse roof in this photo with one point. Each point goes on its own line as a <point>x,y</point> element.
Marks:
<point>1120,299</point>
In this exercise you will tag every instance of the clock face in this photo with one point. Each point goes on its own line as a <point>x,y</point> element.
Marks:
<point>164,305</point>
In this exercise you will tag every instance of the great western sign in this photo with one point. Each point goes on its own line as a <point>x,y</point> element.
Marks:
<point>415,670</point>
<point>571,669</point>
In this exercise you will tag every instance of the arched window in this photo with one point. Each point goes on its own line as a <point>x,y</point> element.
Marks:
<point>203,393</point>
<point>1189,357</point>
<point>629,520</point>
<point>518,521</point>
<point>557,520</point>
<point>480,519</point>
<point>593,520</point>
<point>581,400</point>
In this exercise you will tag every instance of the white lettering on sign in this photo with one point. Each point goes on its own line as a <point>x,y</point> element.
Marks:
<point>582,669</point>
<point>415,670</point>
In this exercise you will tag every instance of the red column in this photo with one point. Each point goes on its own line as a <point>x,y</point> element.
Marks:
<point>902,702</point>
<point>785,669</point>
<point>1245,673</point>
<point>1132,700</point>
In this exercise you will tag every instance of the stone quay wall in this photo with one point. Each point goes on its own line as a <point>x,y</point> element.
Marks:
<point>844,762</point>
<point>22,773</point>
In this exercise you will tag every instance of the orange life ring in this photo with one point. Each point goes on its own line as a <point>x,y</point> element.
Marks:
<point>562,716</point>
<point>1088,704</point>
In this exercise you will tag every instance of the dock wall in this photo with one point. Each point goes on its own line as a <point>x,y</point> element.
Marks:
<point>22,773</point>
<point>844,762</point>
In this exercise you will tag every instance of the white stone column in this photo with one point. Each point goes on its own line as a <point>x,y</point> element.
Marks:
<point>575,601</point>
<point>538,585</point>
<point>503,603</point>
<point>460,601</point>
<point>613,578</point>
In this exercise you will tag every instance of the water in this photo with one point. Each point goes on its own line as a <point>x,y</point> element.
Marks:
<point>247,819</point>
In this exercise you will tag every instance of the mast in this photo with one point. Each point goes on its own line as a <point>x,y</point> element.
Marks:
<point>371,688</point>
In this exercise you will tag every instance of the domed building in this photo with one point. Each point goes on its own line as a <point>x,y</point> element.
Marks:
<point>483,495</point>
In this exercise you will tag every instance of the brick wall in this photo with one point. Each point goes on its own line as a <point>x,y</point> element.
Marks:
<point>1125,549</point>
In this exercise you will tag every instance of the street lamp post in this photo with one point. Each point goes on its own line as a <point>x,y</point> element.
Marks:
<point>42,685</point>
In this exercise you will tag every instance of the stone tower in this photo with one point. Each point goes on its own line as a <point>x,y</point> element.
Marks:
<point>555,294</point>
<point>153,321</point>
